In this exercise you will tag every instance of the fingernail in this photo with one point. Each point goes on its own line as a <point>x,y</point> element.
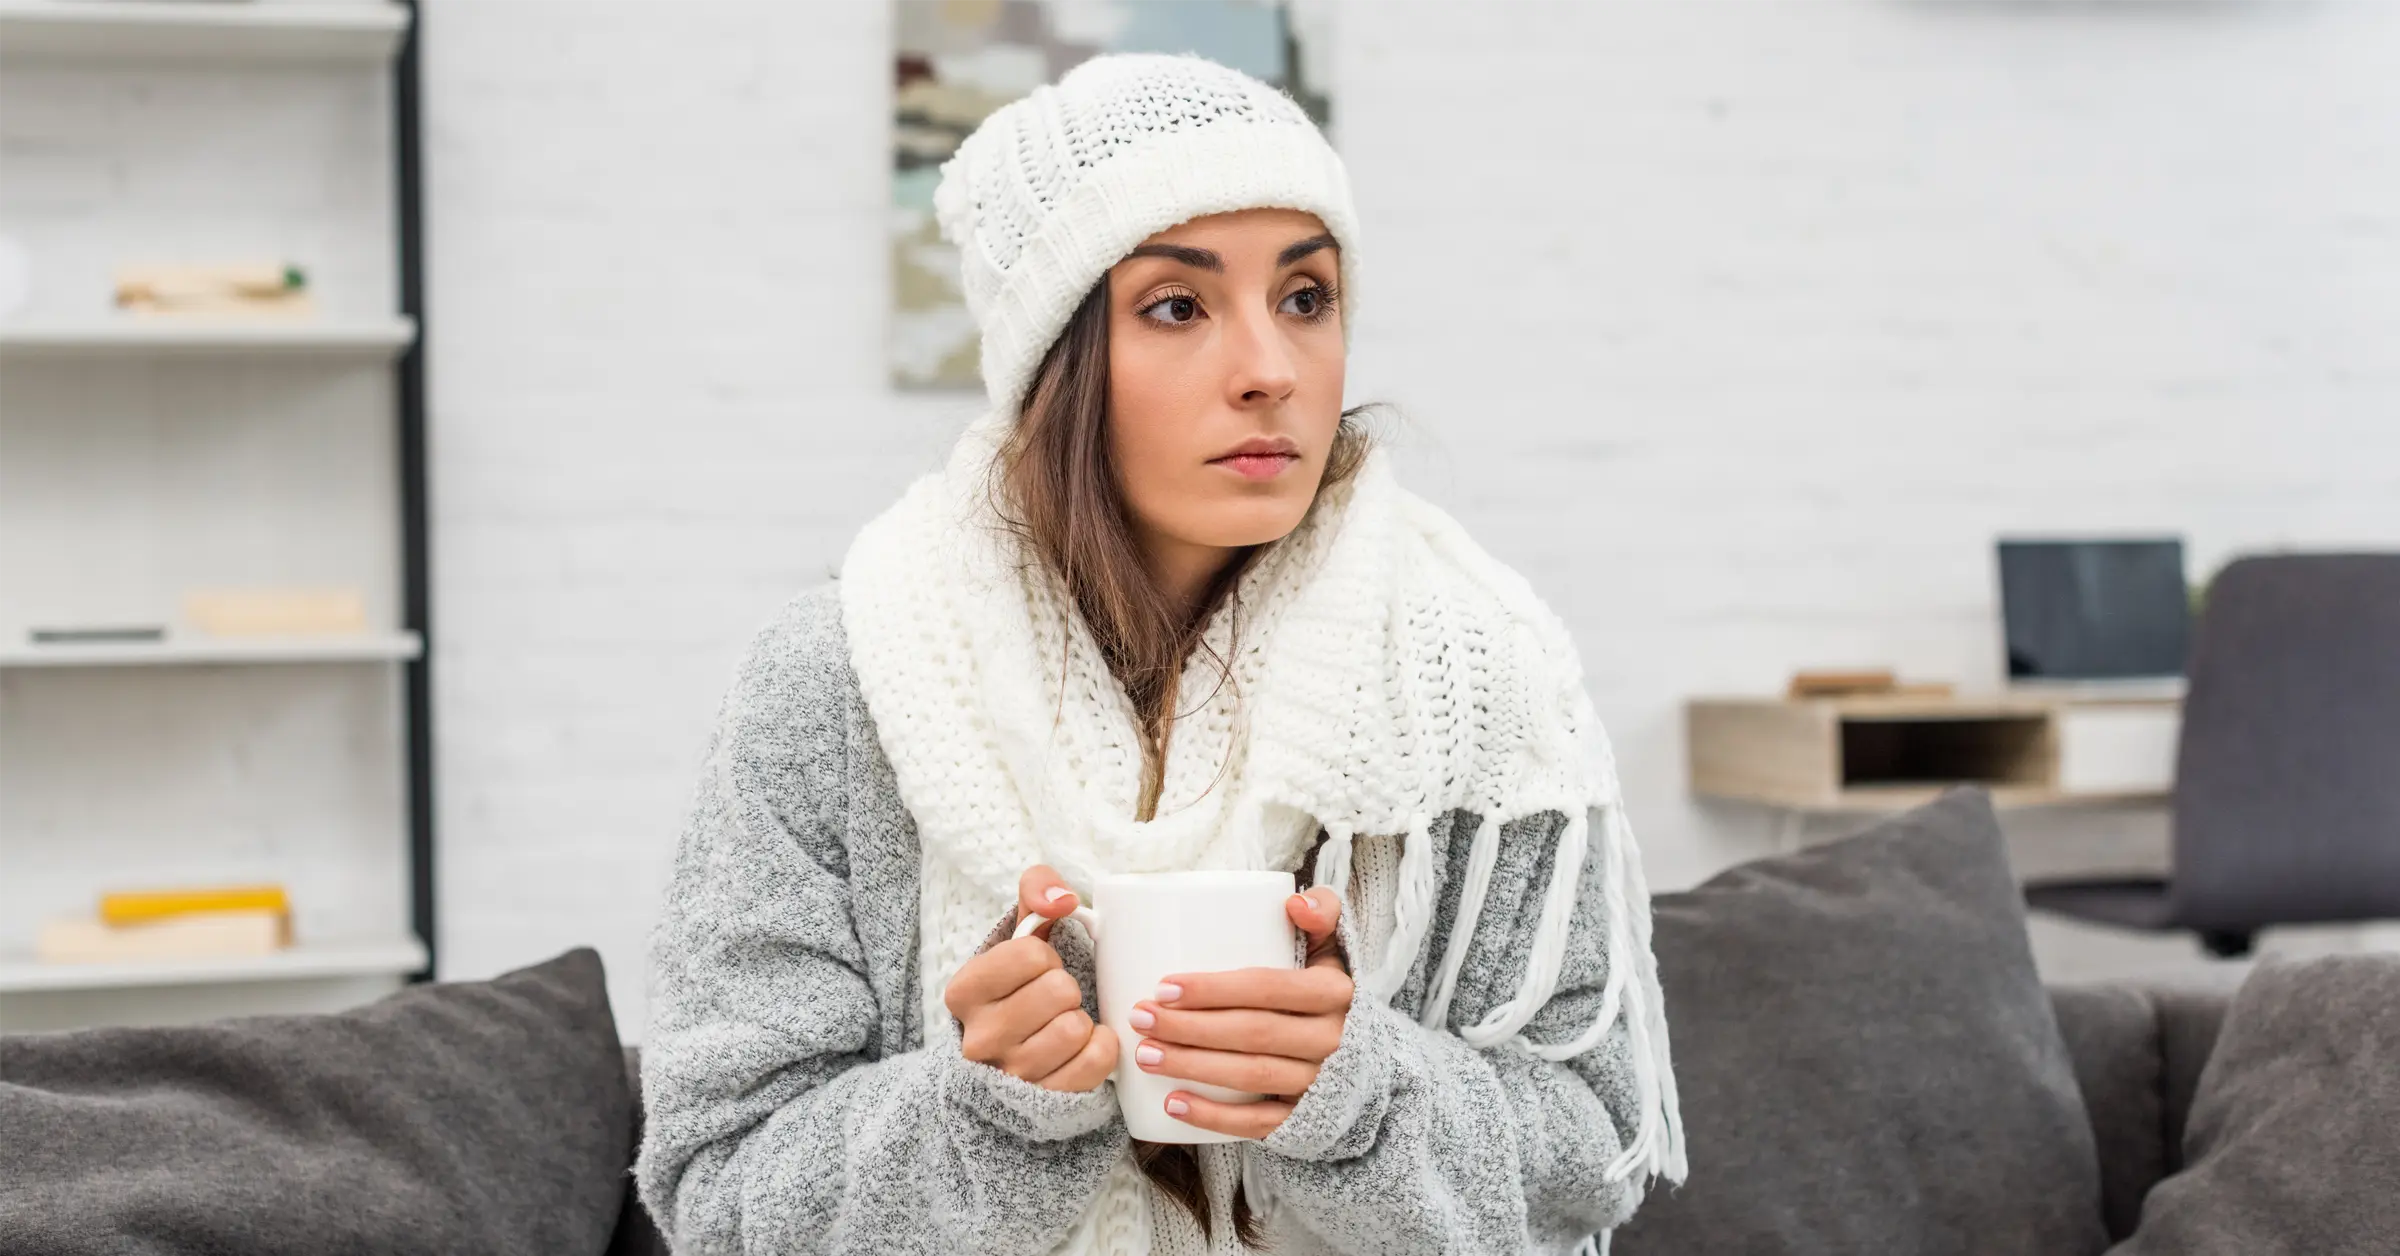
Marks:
<point>1148,1054</point>
<point>1055,893</point>
<point>1140,1019</point>
<point>1301,900</point>
<point>1169,992</point>
<point>1177,1107</point>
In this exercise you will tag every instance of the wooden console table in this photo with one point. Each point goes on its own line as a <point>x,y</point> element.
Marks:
<point>1869,754</point>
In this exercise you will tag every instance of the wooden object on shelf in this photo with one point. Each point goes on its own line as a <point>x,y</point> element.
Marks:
<point>1890,752</point>
<point>207,935</point>
<point>293,307</point>
<point>1838,684</point>
<point>233,290</point>
<point>1825,683</point>
<point>163,284</point>
<point>276,612</point>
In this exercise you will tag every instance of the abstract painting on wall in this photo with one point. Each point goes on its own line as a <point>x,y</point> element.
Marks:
<point>958,60</point>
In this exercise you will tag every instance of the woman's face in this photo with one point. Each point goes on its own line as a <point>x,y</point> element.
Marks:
<point>1224,336</point>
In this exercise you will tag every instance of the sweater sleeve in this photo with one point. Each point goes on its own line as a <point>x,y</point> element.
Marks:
<point>1413,1140</point>
<point>783,1114</point>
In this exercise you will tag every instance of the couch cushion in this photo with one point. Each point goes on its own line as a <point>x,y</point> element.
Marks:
<point>1866,1058</point>
<point>2138,1048</point>
<point>2290,1144</point>
<point>487,1116</point>
<point>2111,1034</point>
<point>2191,1015</point>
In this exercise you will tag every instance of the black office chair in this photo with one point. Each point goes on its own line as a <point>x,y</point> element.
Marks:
<point>2287,777</point>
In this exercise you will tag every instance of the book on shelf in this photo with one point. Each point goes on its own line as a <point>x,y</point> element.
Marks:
<point>276,612</point>
<point>175,922</point>
<point>205,935</point>
<point>133,907</point>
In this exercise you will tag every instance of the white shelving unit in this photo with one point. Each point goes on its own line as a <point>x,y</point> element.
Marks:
<point>200,31</point>
<point>140,457</point>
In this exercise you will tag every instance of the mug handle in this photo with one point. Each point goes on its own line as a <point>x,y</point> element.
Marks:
<point>1086,916</point>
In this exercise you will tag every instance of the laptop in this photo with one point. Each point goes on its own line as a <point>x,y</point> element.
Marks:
<point>2108,616</point>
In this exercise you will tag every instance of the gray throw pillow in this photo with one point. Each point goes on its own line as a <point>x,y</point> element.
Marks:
<point>1866,1058</point>
<point>2292,1145</point>
<point>452,1117</point>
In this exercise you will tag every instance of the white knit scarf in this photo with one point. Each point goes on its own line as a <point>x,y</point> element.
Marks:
<point>1387,671</point>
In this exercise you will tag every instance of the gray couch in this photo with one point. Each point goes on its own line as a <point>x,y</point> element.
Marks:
<point>2137,1049</point>
<point>2137,1057</point>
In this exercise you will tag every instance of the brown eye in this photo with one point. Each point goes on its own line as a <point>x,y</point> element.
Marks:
<point>1313,303</point>
<point>1179,310</point>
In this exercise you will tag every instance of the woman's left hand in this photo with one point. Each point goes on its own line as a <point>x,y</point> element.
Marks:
<point>1257,1029</point>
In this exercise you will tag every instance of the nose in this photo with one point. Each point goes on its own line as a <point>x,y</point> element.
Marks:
<point>1260,371</point>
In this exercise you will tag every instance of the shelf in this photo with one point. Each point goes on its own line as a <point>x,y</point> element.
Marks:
<point>361,648</point>
<point>1871,754</point>
<point>367,339</point>
<point>20,974</point>
<point>200,31</point>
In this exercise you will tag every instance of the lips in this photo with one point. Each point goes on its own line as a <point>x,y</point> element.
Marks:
<point>1261,466</point>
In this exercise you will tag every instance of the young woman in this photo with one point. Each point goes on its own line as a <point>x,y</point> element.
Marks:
<point>1162,608</point>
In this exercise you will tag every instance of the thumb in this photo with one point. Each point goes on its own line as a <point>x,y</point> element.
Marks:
<point>1042,892</point>
<point>1315,913</point>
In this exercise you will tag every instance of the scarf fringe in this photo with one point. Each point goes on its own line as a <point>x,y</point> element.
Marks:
<point>1412,911</point>
<point>1481,857</point>
<point>1630,993</point>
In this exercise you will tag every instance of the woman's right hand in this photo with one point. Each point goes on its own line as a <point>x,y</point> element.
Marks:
<point>1020,1010</point>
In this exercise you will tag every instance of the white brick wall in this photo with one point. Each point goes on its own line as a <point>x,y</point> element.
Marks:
<point>1741,329</point>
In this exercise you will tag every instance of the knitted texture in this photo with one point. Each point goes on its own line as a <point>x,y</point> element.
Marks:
<point>798,1102</point>
<point>1057,186</point>
<point>1389,672</point>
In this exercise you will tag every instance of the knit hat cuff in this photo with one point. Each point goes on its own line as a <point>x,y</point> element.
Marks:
<point>1124,200</point>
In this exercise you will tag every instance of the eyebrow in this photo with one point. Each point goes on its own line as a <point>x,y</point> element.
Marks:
<point>1208,260</point>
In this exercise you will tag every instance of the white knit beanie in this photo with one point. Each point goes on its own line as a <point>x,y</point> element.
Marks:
<point>1057,186</point>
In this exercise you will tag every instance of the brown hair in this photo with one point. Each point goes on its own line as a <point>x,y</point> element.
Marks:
<point>1057,488</point>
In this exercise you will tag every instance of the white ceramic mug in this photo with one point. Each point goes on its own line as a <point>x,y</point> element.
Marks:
<point>1146,926</point>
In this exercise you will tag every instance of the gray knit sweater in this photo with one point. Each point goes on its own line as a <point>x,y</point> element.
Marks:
<point>796,1106</point>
